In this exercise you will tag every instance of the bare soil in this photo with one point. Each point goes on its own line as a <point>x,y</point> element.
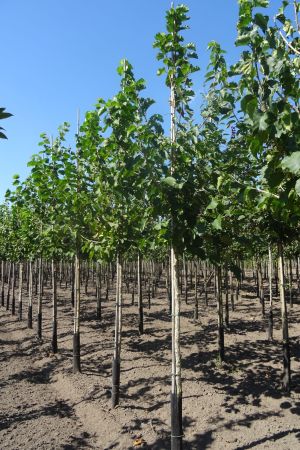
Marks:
<point>236,406</point>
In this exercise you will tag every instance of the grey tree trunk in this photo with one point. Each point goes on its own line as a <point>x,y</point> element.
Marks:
<point>221,351</point>
<point>39,301</point>
<point>8,286</point>
<point>30,294</point>
<point>286,379</point>
<point>76,332</point>
<point>54,306</point>
<point>270,322</point>
<point>2,283</point>
<point>13,283</point>
<point>20,307</point>
<point>140,294</point>
<point>176,394</point>
<point>116,364</point>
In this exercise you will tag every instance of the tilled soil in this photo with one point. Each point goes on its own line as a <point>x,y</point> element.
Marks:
<point>236,406</point>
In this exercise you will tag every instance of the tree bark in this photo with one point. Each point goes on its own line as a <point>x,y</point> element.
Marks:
<point>176,394</point>
<point>30,293</point>
<point>221,351</point>
<point>8,286</point>
<point>196,306</point>
<point>140,294</point>
<point>39,302</point>
<point>20,306</point>
<point>13,300</point>
<point>2,283</point>
<point>116,364</point>
<point>286,379</point>
<point>54,306</point>
<point>270,322</point>
<point>76,333</point>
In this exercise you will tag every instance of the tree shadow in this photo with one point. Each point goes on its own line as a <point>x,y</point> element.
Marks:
<point>59,409</point>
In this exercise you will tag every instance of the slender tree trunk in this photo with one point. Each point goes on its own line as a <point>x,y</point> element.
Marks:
<point>176,395</point>
<point>291,283</point>
<point>73,283</point>
<point>54,306</point>
<point>20,309</point>
<point>8,286</point>
<point>205,285</point>
<point>13,300</point>
<point>270,326</point>
<point>76,333</point>
<point>39,302</point>
<point>2,283</point>
<point>231,291</point>
<point>196,304</point>
<point>220,314</point>
<point>30,294</point>
<point>185,277</point>
<point>261,288</point>
<point>99,291</point>
<point>116,364</point>
<point>140,294</point>
<point>226,299</point>
<point>286,380</point>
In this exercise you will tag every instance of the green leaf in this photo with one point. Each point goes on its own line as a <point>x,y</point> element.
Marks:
<point>243,39</point>
<point>261,3</point>
<point>261,21</point>
<point>170,181</point>
<point>161,71</point>
<point>249,104</point>
<point>262,122</point>
<point>213,204</point>
<point>217,223</point>
<point>292,162</point>
<point>297,187</point>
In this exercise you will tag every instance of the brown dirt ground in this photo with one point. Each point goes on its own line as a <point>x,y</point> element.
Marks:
<point>239,406</point>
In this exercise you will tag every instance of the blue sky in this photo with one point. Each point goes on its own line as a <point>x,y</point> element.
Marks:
<point>59,56</point>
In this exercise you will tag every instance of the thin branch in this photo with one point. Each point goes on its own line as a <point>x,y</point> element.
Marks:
<point>296,16</point>
<point>289,44</point>
<point>90,240</point>
<point>290,104</point>
<point>262,191</point>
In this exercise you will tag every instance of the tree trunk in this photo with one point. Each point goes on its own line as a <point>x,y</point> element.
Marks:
<point>196,307</point>
<point>99,291</point>
<point>185,277</point>
<point>261,288</point>
<point>76,333</point>
<point>116,364</point>
<point>72,283</point>
<point>30,294</point>
<point>226,299</point>
<point>291,283</point>
<point>39,302</point>
<point>140,294</point>
<point>20,309</point>
<point>220,314</point>
<point>8,286</point>
<point>270,324</point>
<point>13,300</point>
<point>286,379</point>
<point>2,283</point>
<point>54,307</point>
<point>176,394</point>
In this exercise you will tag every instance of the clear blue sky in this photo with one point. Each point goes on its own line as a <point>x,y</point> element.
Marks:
<point>61,55</point>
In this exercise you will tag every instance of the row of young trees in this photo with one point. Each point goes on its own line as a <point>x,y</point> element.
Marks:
<point>223,187</point>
